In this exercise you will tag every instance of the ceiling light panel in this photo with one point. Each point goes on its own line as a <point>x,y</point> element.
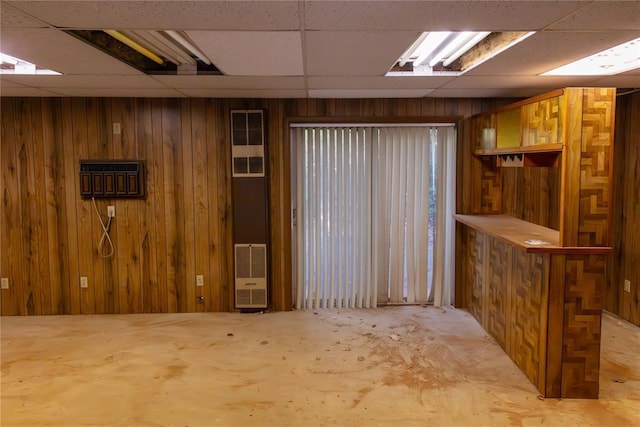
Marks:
<point>618,59</point>
<point>434,48</point>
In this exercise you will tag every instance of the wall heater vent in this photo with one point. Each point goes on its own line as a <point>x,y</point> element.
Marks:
<point>251,275</point>
<point>247,137</point>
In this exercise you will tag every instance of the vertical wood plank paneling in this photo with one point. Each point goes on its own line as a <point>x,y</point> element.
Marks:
<point>555,324</point>
<point>124,285</point>
<point>570,205</point>
<point>213,123</point>
<point>188,265</point>
<point>104,265</point>
<point>160,295</point>
<point>111,268</point>
<point>279,202</point>
<point>224,209</point>
<point>39,176</point>
<point>84,210</point>
<point>96,288</point>
<point>200,202</point>
<point>53,200</point>
<point>147,231</point>
<point>37,299</point>
<point>71,201</point>
<point>11,261</point>
<point>627,248</point>
<point>170,136</point>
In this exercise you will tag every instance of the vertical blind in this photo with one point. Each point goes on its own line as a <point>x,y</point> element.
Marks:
<point>363,215</point>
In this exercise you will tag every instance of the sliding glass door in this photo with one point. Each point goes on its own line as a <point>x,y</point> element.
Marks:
<point>365,214</point>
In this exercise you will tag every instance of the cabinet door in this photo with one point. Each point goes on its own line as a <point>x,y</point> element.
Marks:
<point>541,122</point>
<point>484,128</point>
<point>508,128</point>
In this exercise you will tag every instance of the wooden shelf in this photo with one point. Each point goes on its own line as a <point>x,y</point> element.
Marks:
<point>541,148</point>
<point>518,232</point>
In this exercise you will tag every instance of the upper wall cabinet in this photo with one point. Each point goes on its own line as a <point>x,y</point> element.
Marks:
<point>520,132</point>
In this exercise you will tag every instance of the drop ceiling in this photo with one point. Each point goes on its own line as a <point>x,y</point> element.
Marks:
<point>298,49</point>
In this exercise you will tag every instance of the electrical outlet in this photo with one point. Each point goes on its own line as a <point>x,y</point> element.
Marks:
<point>4,283</point>
<point>84,282</point>
<point>199,280</point>
<point>627,285</point>
<point>111,211</point>
<point>116,128</point>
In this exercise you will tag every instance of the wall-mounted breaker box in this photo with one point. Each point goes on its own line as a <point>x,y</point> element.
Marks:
<point>112,179</point>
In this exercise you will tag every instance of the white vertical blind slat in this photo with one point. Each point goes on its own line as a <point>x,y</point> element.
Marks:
<point>412,232</point>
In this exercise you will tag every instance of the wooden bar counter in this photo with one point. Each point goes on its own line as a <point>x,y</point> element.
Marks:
<point>540,302</point>
<point>533,238</point>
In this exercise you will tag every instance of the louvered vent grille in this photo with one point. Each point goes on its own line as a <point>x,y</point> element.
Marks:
<point>251,275</point>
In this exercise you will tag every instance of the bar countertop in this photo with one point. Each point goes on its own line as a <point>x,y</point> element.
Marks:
<point>523,234</point>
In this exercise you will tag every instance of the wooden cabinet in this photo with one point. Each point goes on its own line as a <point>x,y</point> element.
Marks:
<point>531,253</point>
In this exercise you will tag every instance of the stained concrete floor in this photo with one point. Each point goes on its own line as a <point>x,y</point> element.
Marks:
<point>401,366</point>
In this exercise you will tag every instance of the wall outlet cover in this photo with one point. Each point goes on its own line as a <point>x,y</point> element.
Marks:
<point>627,285</point>
<point>84,282</point>
<point>4,283</point>
<point>199,280</point>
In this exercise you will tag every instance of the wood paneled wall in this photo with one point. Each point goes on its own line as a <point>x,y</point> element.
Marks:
<point>624,263</point>
<point>49,235</point>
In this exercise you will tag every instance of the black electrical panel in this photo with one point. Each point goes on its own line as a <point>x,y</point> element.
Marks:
<point>112,179</point>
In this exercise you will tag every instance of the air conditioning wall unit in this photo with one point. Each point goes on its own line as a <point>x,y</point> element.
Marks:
<point>251,275</point>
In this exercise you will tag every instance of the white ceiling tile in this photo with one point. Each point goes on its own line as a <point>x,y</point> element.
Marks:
<point>231,82</point>
<point>12,17</point>
<point>120,92</point>
<point>602,15</point>
<point>245,93</point>
<point>435,15</point>
<point>90,81</point>
<point>349,53</point>
<point>26,91</point>
<point>514,82</point>
<point>486,93</point>
<point>5,81</point>
<point>252,53</point>
<point>58,51</point>
<point>369,93</point>
<point>384,82</point>
<point>175,15</point>
<point>621,80</point>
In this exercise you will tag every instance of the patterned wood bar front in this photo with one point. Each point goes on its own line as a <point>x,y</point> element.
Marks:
<point>543,304</point>
<point>512,292</point>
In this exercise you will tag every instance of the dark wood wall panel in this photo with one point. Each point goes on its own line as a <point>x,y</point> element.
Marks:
<point>532,194</point>
<point>624,262</point>
<point>182,229</point>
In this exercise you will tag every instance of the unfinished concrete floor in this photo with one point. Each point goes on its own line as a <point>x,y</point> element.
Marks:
<point>401,366</point>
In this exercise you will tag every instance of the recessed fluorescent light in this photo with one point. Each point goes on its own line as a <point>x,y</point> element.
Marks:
<point>431,42</point>
<point>443,52</point>
<point>615,60</point>
<point>12,65</point>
